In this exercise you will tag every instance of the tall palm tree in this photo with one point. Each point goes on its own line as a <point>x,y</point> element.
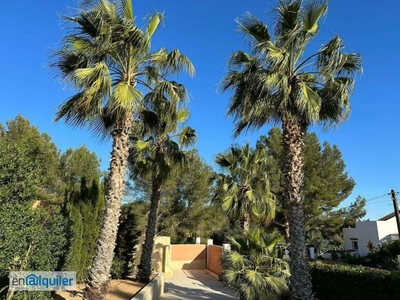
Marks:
<point>157,152</point>
<point>243,186</point>
<point>107,59</point>
<point>282,83</point>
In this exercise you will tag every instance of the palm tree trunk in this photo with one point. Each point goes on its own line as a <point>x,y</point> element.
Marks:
<point>293,142</point>
<point>245,222</point>
<point>96,287</point>
<point>144,269</point>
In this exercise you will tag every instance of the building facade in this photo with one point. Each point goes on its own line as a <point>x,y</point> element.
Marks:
<point>356,240</point>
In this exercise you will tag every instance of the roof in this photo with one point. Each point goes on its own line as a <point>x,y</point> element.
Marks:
<point>387,217</point>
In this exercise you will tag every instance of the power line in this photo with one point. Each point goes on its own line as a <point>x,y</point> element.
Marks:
<point>377,197</point>
<point>368,200</point>
<point>388,200</point>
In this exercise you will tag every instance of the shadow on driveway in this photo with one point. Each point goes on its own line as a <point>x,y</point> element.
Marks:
<point>194,285</point>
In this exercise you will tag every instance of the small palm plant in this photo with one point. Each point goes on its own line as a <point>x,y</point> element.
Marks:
<point>253,268</point>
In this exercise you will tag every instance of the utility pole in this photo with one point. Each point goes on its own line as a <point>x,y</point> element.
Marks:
<point>396,210</point>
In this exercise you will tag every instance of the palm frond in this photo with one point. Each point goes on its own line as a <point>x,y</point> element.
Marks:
<point>125,97</point>
<point>309,102</point>
<point>127,9</point>
<point>352,64</point>
<point>152,25</point>
<point>141,145</point>
<point>183,115</point>
<point>288,13</point>
<point>177,62</point>
<point>187,137</point>
<point>78,110</point>
<point>312,13</point>
<point>253,28</point>
<point>287,27</point>
<point>242,60</point>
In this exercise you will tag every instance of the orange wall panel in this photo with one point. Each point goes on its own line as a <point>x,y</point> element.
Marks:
<point>214,263</point>
<point>188,252</point>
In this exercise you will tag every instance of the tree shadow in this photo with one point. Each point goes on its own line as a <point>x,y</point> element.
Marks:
<point>202,286</point>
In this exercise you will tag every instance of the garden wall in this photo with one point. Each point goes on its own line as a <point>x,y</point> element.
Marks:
<point>188,257</point>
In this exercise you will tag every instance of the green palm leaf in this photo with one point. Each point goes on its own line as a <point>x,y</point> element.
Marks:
<point>311,15</point>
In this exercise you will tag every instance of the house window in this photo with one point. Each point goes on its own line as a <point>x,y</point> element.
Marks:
<point>354,244</point>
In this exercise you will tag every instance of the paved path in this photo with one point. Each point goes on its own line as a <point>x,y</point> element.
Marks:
<point>195,285</point>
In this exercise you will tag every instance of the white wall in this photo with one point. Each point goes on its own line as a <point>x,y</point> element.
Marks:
<point>364,231</point>
<point>367,230</point>
<point>387,228</point>
<point>348,234</point>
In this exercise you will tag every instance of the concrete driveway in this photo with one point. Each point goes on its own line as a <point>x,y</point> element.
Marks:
<point>195,285</point>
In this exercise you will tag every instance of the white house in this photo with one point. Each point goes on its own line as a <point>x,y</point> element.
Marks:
<point>357,239</point>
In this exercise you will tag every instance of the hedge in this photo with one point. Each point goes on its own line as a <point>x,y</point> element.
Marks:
<point>348,282</point>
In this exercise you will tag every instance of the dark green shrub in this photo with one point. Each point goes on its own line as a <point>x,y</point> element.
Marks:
<point>332,282</point>
<point>126,241</point>
<point>118,268</point>
<point>30,239</point>
<point>385,256</point>
<point>353,259</point>
<point>84,210</point>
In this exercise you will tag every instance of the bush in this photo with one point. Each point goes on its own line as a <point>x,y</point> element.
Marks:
<point>348,282</point>
<point>126,241</point>
<point>353,259</point>
<point>118,270</point>
<point>385,256</point>
<point>30,239</point>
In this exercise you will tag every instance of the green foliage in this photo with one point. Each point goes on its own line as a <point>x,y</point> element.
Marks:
<point>185,209</point>
<point>126,242</point>
<point>19,178</point>
<point>83,205</point>
<point>118,268</point>
<point>39,151</point>
<point>252,267</point>
<point>30,239</point>
<point>326,185</point>
<point>242,187</point>
<point>76,164</point>
<point>332,282</point>
<point>385,255</point>
<point>84,209</point>
<point>353,259</point>
<point>354,213</point>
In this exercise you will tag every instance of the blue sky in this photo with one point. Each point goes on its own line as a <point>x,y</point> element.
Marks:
<point>205,31</point>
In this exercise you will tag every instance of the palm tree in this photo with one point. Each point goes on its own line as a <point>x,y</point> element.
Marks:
<point>157,152</point>
<point>282,83</point>
<point>243,186</point>
<point>253,268</point>
<point>107,59</point>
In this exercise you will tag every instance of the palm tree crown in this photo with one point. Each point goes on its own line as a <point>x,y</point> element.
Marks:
<point>159,140</point>
<point>243,186</point>
<point>276,82</point>
<point>107,58</point>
